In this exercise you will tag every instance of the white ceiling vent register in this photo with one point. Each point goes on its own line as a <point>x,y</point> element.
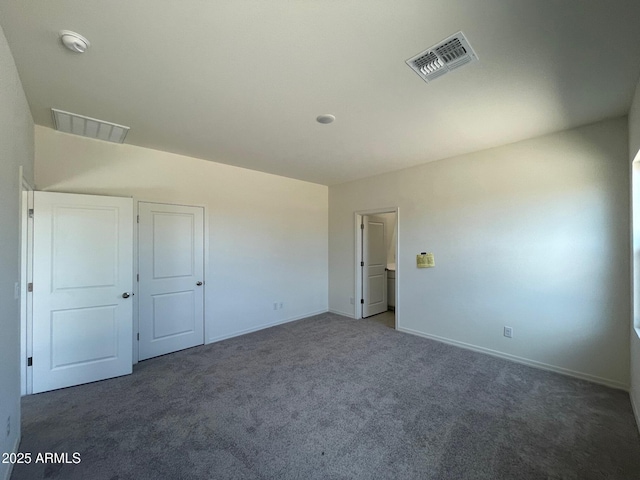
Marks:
<point>449,54</point>
<point>88,127</point>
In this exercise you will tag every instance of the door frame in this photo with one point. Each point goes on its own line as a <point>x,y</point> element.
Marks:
<point>357,292</point>
<point>136,269</point>
<point>26,273</point>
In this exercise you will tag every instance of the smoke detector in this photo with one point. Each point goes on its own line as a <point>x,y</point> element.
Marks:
<point>451,53</point>
<point>325,118</point>
<point>74,41</point>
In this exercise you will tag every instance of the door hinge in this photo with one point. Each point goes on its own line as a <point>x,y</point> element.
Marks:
<point>29,287</point>
<point>137,277</point>
<point>362,226</point>
<point>362,300</point>
<point>30,362</point>
<point>31,213</point>
<point>362,264</point>
<point>138,337</point>
<point>137,218</point>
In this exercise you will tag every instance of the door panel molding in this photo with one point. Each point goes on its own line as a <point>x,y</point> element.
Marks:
<point>82,323</point>
<point>171,258</point>
<point>374,258</point>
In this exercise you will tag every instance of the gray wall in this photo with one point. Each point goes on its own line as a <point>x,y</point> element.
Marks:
<point>16,149</point>
<point>533,235</point>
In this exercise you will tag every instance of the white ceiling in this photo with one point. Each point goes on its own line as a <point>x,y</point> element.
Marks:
<point>242,81</point>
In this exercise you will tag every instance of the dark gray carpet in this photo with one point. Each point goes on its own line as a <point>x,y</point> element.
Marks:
<point>328,398</point>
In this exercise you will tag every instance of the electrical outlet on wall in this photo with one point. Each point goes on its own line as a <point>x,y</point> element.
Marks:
<point>275,305</point>
<point>508,332</point>
<point>281,305</point>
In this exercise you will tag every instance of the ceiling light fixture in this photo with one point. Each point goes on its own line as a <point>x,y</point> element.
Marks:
<point>74,41</point>
<point>325,118</point>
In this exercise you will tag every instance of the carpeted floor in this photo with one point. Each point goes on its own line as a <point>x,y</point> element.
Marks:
<point>387,318</point>
<point>330,397</point>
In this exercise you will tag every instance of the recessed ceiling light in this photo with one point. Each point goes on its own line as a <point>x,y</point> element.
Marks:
<point>325,118</point>
<point>74,41</point>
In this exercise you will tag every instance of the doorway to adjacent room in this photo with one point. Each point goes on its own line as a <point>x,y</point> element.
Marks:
<point>376,266</point>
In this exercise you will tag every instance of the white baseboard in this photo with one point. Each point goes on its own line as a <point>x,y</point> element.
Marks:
<point>524,361</point>
<point>7,474</point>
<point>262,327</point>
<point>636,410</point>
<point>344,314</point>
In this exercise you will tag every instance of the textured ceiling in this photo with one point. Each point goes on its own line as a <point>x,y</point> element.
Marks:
<point>241,82</point>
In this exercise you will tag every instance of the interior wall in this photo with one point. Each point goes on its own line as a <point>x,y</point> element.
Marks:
<point>16,149</point>
<point>634,148</point>
<point>267,234</point>
<point>533,235</point>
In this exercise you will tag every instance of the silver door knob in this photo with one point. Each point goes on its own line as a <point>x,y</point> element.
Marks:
<point>126,295</point>
<point>199,283</point>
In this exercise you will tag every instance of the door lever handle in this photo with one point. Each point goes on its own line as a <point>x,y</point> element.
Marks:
<point>199,284</point>
<point>127,294</point>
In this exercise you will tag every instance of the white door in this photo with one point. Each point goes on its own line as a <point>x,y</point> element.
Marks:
<point>171,269</point>
<point>82,272</point>
<point>374,270</point>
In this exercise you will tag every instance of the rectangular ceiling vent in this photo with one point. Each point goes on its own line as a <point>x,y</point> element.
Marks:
<point>88,127</point>
<point>451,53</point>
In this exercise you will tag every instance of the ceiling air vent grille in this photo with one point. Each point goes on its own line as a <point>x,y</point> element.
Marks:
<point>451,53</point>
<point>88,127</point>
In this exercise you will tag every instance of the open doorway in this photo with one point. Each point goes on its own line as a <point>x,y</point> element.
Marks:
<point>376,266</point>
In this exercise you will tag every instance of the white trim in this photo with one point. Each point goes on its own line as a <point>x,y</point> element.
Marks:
<point>344,314</point>
<point>357,276</point>
<point>524,361</point>
<point>29,300</point>
<point>25,251</point>
<point>636,410</point>
<point>26,262</point>
<point>7,474</point>
<point>205,272</point>
<point>262,327</point>
<point>136,284</point>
